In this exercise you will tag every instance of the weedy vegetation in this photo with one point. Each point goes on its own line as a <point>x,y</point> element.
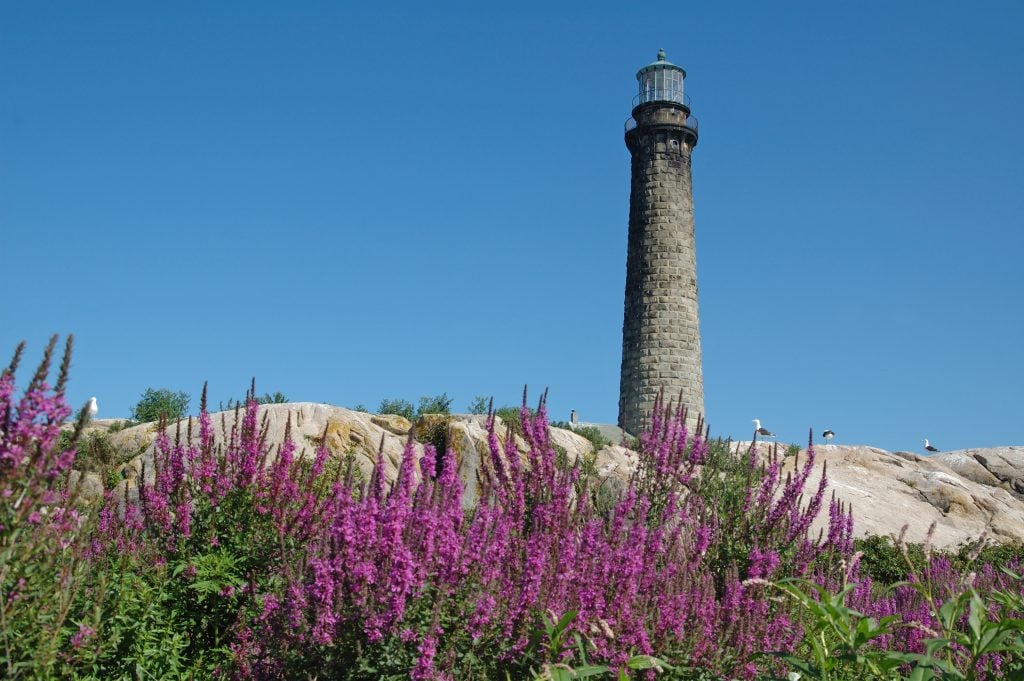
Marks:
<point>229,556</point>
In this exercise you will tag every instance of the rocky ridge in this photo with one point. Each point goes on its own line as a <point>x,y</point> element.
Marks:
<point>966,493</point>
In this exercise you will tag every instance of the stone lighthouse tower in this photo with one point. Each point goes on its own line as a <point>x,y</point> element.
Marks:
<point>661,327</point>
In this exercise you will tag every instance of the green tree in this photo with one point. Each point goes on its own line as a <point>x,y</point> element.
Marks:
<point>162,402</point>
<point>438,404</point>
<point>479,405</point>
<point>400,407</point>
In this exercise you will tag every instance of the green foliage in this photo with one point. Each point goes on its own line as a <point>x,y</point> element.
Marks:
<point>434,429</point>
<point>361,408</point>
<point>993,625</point>
<point>479,405</point>
<point>399,407</point>
<point>118,426</point>
<point>556,653</point>
<point>999,556</point>
<point>792,450</point>
<point>157,403</point>
<point>837,638</point>
<point>591,433</point>
<point>266,398</point>
<point>723,484</point>
<point>885,563</point>
<point>98,453</point>
<point>135,618</point>
<point>979,635</point>
<point>42,566</point>
<point>438,404</point>
<point>510,417</point>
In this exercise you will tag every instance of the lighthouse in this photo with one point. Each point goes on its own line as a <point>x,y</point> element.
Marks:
<point>661,325</point>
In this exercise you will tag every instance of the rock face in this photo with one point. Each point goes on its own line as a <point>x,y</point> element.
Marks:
<point>888,490</point>
<point>997,466</point>
<point>965,493</point>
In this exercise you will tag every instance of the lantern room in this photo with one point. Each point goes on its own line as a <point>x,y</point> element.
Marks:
<point>660,81</point>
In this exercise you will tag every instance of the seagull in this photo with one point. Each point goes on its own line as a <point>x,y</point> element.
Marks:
<point>929,446</point>
<point>762,431</point>
<point>93,408</point>
<point>573,417</point>
<point>828,435</point>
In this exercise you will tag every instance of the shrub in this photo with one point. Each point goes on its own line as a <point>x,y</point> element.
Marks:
<point>157,404</point>
<point>277,397</point>
<point>41,532</point>
<point>123,424</point>
<point>479,405</point>
<point>887,564</point>
<point>438,404</point>
<point>265,398</point>
<point>510,416</point>
<point>399,407</point>
<point>591,433</point>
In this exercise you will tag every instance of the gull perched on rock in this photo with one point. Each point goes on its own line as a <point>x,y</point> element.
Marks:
<point>828,434</point>
<point>929,446</point>
<point>762,431</point>
<point>93,407</point>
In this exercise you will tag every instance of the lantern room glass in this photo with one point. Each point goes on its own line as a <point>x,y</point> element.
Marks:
<point>661,84</point>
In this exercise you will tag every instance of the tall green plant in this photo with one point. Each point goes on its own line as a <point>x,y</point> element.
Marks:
<point>42,564</point>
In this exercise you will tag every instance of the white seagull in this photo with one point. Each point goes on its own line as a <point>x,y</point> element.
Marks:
<point>929,446</point>
<point>828,435</point>
<point>93,408</point>
<point>762,431</point>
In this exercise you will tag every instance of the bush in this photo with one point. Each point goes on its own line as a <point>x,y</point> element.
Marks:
<point>591,433</point>
<point>479,405</point>
<point>885,563</point>
<point>161,403</point>
<point>266,398</point>
<point>438,404</point>
<point>123,424</point>
<point>42,534</point>
<point>400,407</point>
<point>510,416</point>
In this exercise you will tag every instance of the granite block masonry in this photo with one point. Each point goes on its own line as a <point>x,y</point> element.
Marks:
<point>661,324</point>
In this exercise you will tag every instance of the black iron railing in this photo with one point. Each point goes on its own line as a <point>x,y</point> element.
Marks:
<point>691,123</point>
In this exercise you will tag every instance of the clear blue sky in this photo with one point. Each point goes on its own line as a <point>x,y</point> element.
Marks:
<point>353,203</point>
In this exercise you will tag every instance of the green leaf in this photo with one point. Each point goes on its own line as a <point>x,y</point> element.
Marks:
<point>647,662</point>
<point>978,615</point>
<point>589,670</point>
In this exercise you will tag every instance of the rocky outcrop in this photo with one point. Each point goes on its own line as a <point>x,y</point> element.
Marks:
<point>888,490</point>
<point>965,493</point>
<point>995,466</point>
